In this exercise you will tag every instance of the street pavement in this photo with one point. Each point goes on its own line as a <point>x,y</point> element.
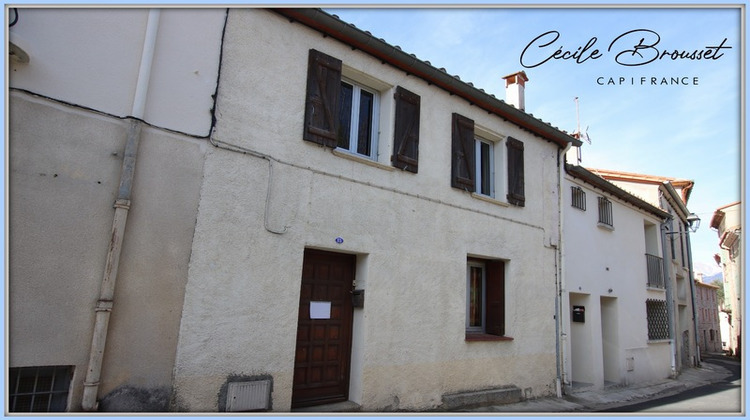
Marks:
<point>610,398</point>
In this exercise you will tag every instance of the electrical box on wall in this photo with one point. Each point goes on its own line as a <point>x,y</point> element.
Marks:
<point>579,314</point>
<point>358,298</point>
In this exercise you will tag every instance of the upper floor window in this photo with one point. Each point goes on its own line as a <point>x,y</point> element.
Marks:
<point>485,167</point>
<point>475,166</point>
<point>578,197</point>
<point>357,109</point>
<point>344,113</point>
<point>605,211</point>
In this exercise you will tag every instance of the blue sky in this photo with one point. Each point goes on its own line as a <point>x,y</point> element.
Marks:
<point>689,131</point>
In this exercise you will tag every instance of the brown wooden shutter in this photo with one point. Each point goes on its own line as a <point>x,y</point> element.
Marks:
<point>321,104</point>
<point>406,132</point>
<point>515,172</point>
<point>495,289</point>
<point>463,159</point>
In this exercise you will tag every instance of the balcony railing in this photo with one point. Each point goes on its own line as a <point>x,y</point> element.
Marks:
<point>655,273</point>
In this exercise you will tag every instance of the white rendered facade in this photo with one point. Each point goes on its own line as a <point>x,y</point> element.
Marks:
<point>727,221</point>
<point>671,195</point>
<point>612,268</point>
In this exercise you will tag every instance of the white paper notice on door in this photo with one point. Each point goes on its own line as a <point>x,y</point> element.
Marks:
<point>320,310</point>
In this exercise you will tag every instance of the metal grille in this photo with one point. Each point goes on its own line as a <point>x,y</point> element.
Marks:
<point>658,322</point>
<point>655,273</point>
<point>605,211</point>
<point>39,389</point>
<point>249,396</point>
<point>578,198</point>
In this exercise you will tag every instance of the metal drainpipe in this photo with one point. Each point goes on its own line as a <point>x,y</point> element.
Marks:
<point>560,274</point>
<point>692,296</point>
<point>122,206</point>
<point>669,294</point>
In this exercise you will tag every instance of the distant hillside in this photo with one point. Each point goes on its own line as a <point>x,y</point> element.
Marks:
<point>710,279</point>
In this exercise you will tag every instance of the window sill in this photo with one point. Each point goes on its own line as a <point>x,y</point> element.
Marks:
<point>656,288</point>
<point>489,199</point>
<point>605,226</point>
<point>659,341</point>
<point>361,159</point>
<point>487,337</point>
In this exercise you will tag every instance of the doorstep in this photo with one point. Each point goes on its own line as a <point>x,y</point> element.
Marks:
<point>342,407</point>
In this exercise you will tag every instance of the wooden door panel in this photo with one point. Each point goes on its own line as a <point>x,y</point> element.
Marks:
<point>322,357</point>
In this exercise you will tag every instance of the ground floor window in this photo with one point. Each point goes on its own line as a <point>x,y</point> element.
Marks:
<point>39,389</point>
<point>658,322</point>
<point>485,297</point>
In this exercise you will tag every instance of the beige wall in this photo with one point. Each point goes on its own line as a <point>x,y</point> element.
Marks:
<point>91,57</point>
<point>64,172</point>
<point>66,146</point>
<point>411,234</point>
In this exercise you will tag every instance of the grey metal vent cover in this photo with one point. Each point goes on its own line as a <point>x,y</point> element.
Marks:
<point>249,396</point>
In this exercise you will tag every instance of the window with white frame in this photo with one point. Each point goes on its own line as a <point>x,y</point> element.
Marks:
<point>358,111</point>
<point>480,165</point>
<point>485,167</point>
<point>343,112</point>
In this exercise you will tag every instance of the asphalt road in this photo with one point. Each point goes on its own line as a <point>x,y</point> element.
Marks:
<point>724,396</point>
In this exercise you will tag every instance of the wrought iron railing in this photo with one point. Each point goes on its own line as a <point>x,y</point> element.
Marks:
<point>655,271</point>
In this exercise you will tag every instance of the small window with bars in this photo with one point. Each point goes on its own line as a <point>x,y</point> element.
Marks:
<point>658,322</point>
<point>578,197</point>
<point>39,388</point>
<point>605,211</point>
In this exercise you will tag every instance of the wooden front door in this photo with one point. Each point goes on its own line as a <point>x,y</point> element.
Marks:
<point>324,329</point>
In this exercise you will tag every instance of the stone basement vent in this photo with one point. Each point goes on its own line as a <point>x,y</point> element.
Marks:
<point>249,396</point>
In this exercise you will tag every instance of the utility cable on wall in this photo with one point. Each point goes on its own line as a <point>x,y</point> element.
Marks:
<point>246,151</point>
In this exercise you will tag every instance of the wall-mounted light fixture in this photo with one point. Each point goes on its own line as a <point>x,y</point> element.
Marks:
<point>693,222</point>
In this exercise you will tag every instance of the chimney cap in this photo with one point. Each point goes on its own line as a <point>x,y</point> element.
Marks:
<point>519,77</point>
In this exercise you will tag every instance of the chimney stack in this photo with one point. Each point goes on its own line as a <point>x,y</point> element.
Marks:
<point>514,87</point>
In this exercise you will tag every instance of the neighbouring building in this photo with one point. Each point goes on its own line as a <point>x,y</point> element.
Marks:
<point>315,217</point>
<point>671,195</point>
<point>727,221</point>
<point>99,246</point>
<point>616,321</point>
<point>725,328</point>
<point>707,312</point>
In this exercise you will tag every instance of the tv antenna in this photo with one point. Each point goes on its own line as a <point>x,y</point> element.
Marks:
<point>578,134</point>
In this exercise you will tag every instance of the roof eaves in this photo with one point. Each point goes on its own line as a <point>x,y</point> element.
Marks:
<point>604,185</point>
<point>332,26</point>
<point>685,185</point>
<point>716,219</point>
<point>676,200</point>
<point>729,205</point>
